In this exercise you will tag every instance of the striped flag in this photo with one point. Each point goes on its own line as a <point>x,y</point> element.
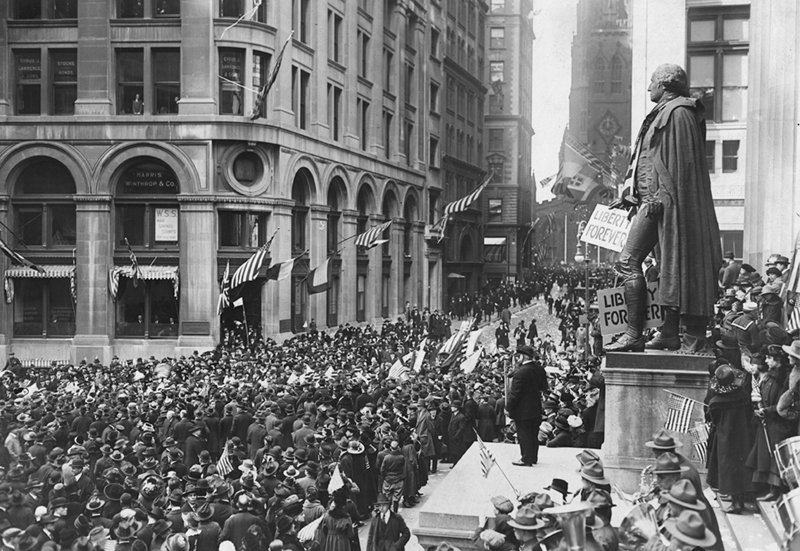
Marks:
<point>699,436</point>
<point>792,289</point>
<point>258,107</point>
<point>545,181</point>
<point>370,238</point>
<point>317,280</point>
<point>224,288</point>
<point>337,481</point>
<point>469,365</point>
<point>224,465</point>
<point>420,355</point>
<point>680,413</point>
<point>463,204</point>
<point>580,172</point>
<point>281,270</point>
<point>487,459</point>
<point>398,370</point>
<point>249,270</point>
<point>18,258</point>
<point>136,273</point>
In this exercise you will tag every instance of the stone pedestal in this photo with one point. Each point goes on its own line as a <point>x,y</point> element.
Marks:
<point>637,406</point>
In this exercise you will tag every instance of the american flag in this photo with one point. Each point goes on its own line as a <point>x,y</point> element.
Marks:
<point>18,258</point>
<point>680,413</point>
<point>249,270</point>
<point>136,273</point>
<point>545,181</point>
<point>463,204</point>
<point>587,153</point>
<point>370,238</point>
<point>398,370</point>
<point>225,286</point>
<point>487,459</point>
<point>792,289</point>
<point>258,107</point>
<point>699,436</point>
<point>224,465</point>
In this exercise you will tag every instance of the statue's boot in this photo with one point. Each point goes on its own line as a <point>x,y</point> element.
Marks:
<point>636,300</point>
<point>668,338</point>
<point>694,336</point>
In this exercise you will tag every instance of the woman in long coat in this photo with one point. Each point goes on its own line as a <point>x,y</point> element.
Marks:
<point>335,530</point>
<point>773,384</point>
<point>731,413</point>
<point>485,419</point>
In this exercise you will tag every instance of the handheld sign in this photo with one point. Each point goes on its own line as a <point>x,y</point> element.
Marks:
<point>607,228</point>
<point>614,310</point>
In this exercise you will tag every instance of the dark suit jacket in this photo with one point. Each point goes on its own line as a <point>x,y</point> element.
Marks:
<point>525,392</point>
<point>388,536</point>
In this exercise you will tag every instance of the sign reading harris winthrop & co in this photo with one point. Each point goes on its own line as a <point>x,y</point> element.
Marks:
<point>148,179</point>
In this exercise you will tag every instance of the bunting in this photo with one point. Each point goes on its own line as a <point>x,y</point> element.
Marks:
<point>136,273</point>
<point>18,258</point>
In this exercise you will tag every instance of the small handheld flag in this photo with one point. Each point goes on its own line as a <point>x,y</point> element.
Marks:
<point>680,413</point>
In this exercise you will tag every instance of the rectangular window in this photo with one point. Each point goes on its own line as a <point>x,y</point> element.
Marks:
<point>717,54</point>
<point>362,106</point>
<point>710,155</point>
<point>732,241</point>
<point>299,228</point>
<point>409,141</point>
<point>334,111</point>
<point>149,225</point>
<point>497,37</point>
<point>130,9</point>
<point>65,9</point>
<point>333,302</point>
<point>496,139</point>
<point>64,68</point>
<point>365,6</point>
<point>231,72</point>
<point>385,286</point>
<point>497,6</point>
<point>166,80</point>
<point>300,22</point>
<point>363,53</point>
<point>495,208</point>
<point>434,151</point>
<point>388,14</point>
<point>334,36</point>
<point>43,308</point>
<point>388,59</point>
<point>260,65</point>
<point>241,230</point>
<point>434,97</point>
<point>387,133</point>
<point>361,297</point>
<point>434,42</point>
<point>29,82</point>
<point>730,155</point>
<point>300,84</point>
<point>497,71</point>
<point>409,84</point>
<point>411,29</point>
<point>146,310</point>
<point>172,8</point>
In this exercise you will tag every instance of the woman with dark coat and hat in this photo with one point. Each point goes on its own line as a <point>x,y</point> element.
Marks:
<point>731,413</point>
<point>774,428</point>
<point>335,530</point>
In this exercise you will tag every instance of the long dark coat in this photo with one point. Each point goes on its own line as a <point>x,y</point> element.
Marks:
<point>732,415</point>
<point>388,536</point>
<point>457,444</point>
<point>688,230</point>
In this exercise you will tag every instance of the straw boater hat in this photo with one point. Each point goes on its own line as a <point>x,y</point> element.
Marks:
<point>689,528</point>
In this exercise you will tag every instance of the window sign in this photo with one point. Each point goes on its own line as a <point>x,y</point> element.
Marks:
<point>29,65</point>
<point>167,224</point>
<point>66,67</point>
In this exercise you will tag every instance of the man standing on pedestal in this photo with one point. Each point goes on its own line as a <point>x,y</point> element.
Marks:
<point>524,403</point>
<point>670,198</point>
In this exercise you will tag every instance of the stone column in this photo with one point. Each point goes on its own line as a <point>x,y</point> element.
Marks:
<point>6,320</point>
<point>276,297</point>
<point>198,70</point>
<point>93,58</point>
<point>317,303</point>
<point>418,270</point>
<point>199,290</point>
<point>398,267</point>
<point>636,406</point>
<point>94,315</point>
<point>348,277</point>
<point>771,196</point>
<point>374,289</point>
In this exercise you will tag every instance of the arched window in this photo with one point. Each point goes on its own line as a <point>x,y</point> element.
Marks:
<point>336,195</point>
<point>44,213</point>
<point>465,251</point>
<point>409,217</point>
<point>616,74</point>
<point>599,72</point>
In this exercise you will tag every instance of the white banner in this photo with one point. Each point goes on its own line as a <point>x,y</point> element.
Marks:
<point>607,228</point>
<point>614,310</point>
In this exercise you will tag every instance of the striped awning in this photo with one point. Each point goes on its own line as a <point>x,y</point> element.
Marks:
<point>50,272</point>
<point>148,273</point>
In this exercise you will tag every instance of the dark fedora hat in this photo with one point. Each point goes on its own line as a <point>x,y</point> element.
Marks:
<point>690,528</point>
<point>526,351</point>
<point>593,472</point>
<point>113,492</point>
<point>684,494</point>
<point>662,441</point>
<point>204,512</point>
<point>527,518</point>
<point>559,485</point>
<point>382,500</point>
<point>668,463</point>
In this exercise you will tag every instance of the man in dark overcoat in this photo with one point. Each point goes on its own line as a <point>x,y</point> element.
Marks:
<point>524,403</point>
<point>388,530</point>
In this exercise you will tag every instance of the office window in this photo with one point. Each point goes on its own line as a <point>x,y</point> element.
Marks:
<point>28,99</point>
<point>497,6</point>
<point>335,111</point>
<point>65,9</point>
<point>718,56</point>
<point>335,36</point>
<point>242,230</point>
<point>710,155</point>
<point>495,208</point>
<point>730,155</point>
<point>451,94</point>
<point>434,94</point>
<point>470,107</point>
<point>497,37</point>
<point>389,14</point>
<point>231,71</point>
<point>411,30</point>
<point>387,133</point>
<point>300,83</point>
<point>409,140</point>
<point>599,72</point>
<point>388,60</point>
<point>362,108</point>
<point>616,74</point>
<point>260,64</point>
<point>496,139</point>
<point>409,84</point>
<point>496,165</point>
<point>130,81</point>
<point>435,42</point>
<point>300,21</point>
<point>433,148</point>
<point>166,80</point>
<point>365,6</point>
<point>130,9</point>
<point>497,71</point>
<point>172,8</point>
<point>363,53</point>
<point>461,101</point>
<point>64,68</point>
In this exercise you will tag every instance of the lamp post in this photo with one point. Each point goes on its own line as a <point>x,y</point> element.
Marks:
<point>581,259</point>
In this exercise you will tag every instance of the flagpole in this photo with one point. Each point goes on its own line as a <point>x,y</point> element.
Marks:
<point>246,331</point>
<point>499,468</point>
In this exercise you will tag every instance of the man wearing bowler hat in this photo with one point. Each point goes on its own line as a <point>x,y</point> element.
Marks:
<point>524,403</point>
<point>388,530</point>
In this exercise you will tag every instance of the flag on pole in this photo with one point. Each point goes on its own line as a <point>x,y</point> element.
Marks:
<point>463,204</point>
<point>792,288</point>
<point>249,270</point>
<point>420,357</point>
<point>581,173</point>
<point>472,342</point>
<point>224,465</point>
<point>238,303</point>
<point>469,365</point>
<point>258,106</point>
<point>699,436</point>
<point>370,238</point>
<point>680,413</point>
<point>337,481</point>
<point>398,370</point>
<point>487,459</point>
<point>317,280</point>
<point>281,270</point>
<point>18,258</point>
<point>224,288</point>
<point>136,273</point>
<point>545,181</point>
